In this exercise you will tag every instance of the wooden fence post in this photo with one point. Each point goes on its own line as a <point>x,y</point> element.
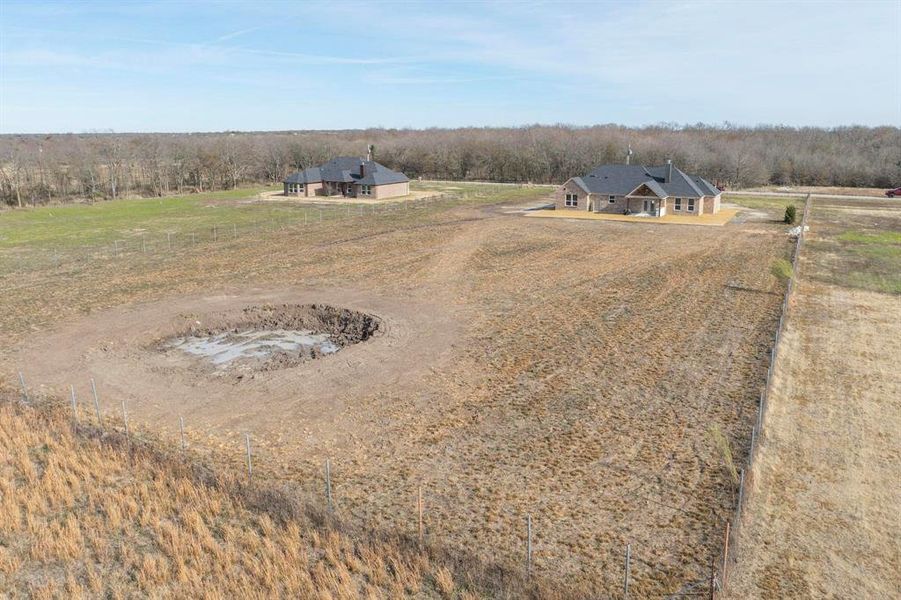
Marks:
<point>96,403</point>
<point>181,427</point>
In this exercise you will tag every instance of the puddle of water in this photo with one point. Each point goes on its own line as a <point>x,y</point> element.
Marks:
<point>223,348</point>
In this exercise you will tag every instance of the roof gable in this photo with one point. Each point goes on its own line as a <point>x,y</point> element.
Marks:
<point>346,169</point>
<point>622,180</point>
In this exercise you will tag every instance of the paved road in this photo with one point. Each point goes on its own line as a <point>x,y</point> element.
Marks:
<point>804,194</point>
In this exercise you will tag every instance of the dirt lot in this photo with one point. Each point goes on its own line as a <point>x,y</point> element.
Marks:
<point>574,371</point>
<point>822,519</point>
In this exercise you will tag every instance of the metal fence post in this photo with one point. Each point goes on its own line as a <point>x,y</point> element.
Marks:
<point>420,515</point>
<point>181,427</point>
<point>96,403</point>
<point>24,388</point>
<point>529,544</point>
<point>125,420</point>
<point>328,483</point>
<point>628,568</point>
<point>74,403</point>
<point>249,459</point>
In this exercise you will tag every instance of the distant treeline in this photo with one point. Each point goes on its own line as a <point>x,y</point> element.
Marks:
<point>42,168</point>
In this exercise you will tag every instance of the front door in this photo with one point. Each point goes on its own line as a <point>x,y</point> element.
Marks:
<point>648,206</point>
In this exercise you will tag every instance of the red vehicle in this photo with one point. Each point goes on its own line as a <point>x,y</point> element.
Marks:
<point>894,192</point>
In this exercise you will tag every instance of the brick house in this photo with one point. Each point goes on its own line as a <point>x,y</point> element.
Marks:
<point>635,189</point>
<point>350,177</point>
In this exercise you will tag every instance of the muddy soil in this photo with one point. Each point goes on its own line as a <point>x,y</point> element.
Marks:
<point>270,337</point>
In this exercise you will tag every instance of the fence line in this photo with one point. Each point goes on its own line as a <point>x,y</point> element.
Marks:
<point>616,576</point>
<point>718,575</point>
<point>733,526</point>
<point>165,242</point>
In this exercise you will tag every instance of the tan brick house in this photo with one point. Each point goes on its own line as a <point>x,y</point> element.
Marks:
<point>636,189</point>
<point>350,177</point>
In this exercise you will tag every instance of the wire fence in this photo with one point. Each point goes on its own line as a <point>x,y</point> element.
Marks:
<point>732,527</point>
<point>434,514</point>
<point>26,266</point>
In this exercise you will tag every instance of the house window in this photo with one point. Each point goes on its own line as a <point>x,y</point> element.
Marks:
<point>678,203</point>
<point>611,199</point>
<point>365,190</point>
<point>691,205</point>
<point>572,200</point>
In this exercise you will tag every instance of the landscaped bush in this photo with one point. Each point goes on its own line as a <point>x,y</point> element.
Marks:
<point>790,214</point>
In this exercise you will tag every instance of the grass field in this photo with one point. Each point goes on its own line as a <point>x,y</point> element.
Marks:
<point>772,205</point>
<point>85,514</point>
<point>821,518</point>
<point>859,245</point>
<point>583,373</point>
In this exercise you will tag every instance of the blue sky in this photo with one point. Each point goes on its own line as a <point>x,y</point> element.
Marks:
<point>212,66</point>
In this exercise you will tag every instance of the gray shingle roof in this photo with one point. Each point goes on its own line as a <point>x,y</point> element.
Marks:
<point>620,180</point>
<point>346,169</point>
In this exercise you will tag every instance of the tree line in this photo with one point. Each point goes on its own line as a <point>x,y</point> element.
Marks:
<point>44,168</point>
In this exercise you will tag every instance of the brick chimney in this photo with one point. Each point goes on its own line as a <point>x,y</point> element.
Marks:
<point>362,169</point>
<point>668,171</point>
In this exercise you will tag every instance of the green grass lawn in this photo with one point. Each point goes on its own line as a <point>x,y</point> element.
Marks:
<point>857,250</point>
<point>79,225</point>
<point>771,204</point>
<point>73,225</point>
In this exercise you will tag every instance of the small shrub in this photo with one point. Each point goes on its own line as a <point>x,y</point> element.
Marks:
<point>781,269</point>
<point>791,214</point>
<point>725,450</point>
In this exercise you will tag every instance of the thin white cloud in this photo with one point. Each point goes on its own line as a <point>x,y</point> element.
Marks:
<point>212,49</point>
<point>234,34</point>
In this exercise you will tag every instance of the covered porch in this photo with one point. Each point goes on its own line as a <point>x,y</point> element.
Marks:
<point>644,200</point>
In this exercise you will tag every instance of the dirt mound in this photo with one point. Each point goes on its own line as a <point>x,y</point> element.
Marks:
<point>269,337</point>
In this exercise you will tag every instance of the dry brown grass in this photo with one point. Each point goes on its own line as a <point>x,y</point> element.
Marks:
<point>591,361</point>
<point>84,515</point>
<point>821,518</point>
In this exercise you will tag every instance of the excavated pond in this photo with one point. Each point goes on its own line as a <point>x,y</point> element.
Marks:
<point>264,338</point>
